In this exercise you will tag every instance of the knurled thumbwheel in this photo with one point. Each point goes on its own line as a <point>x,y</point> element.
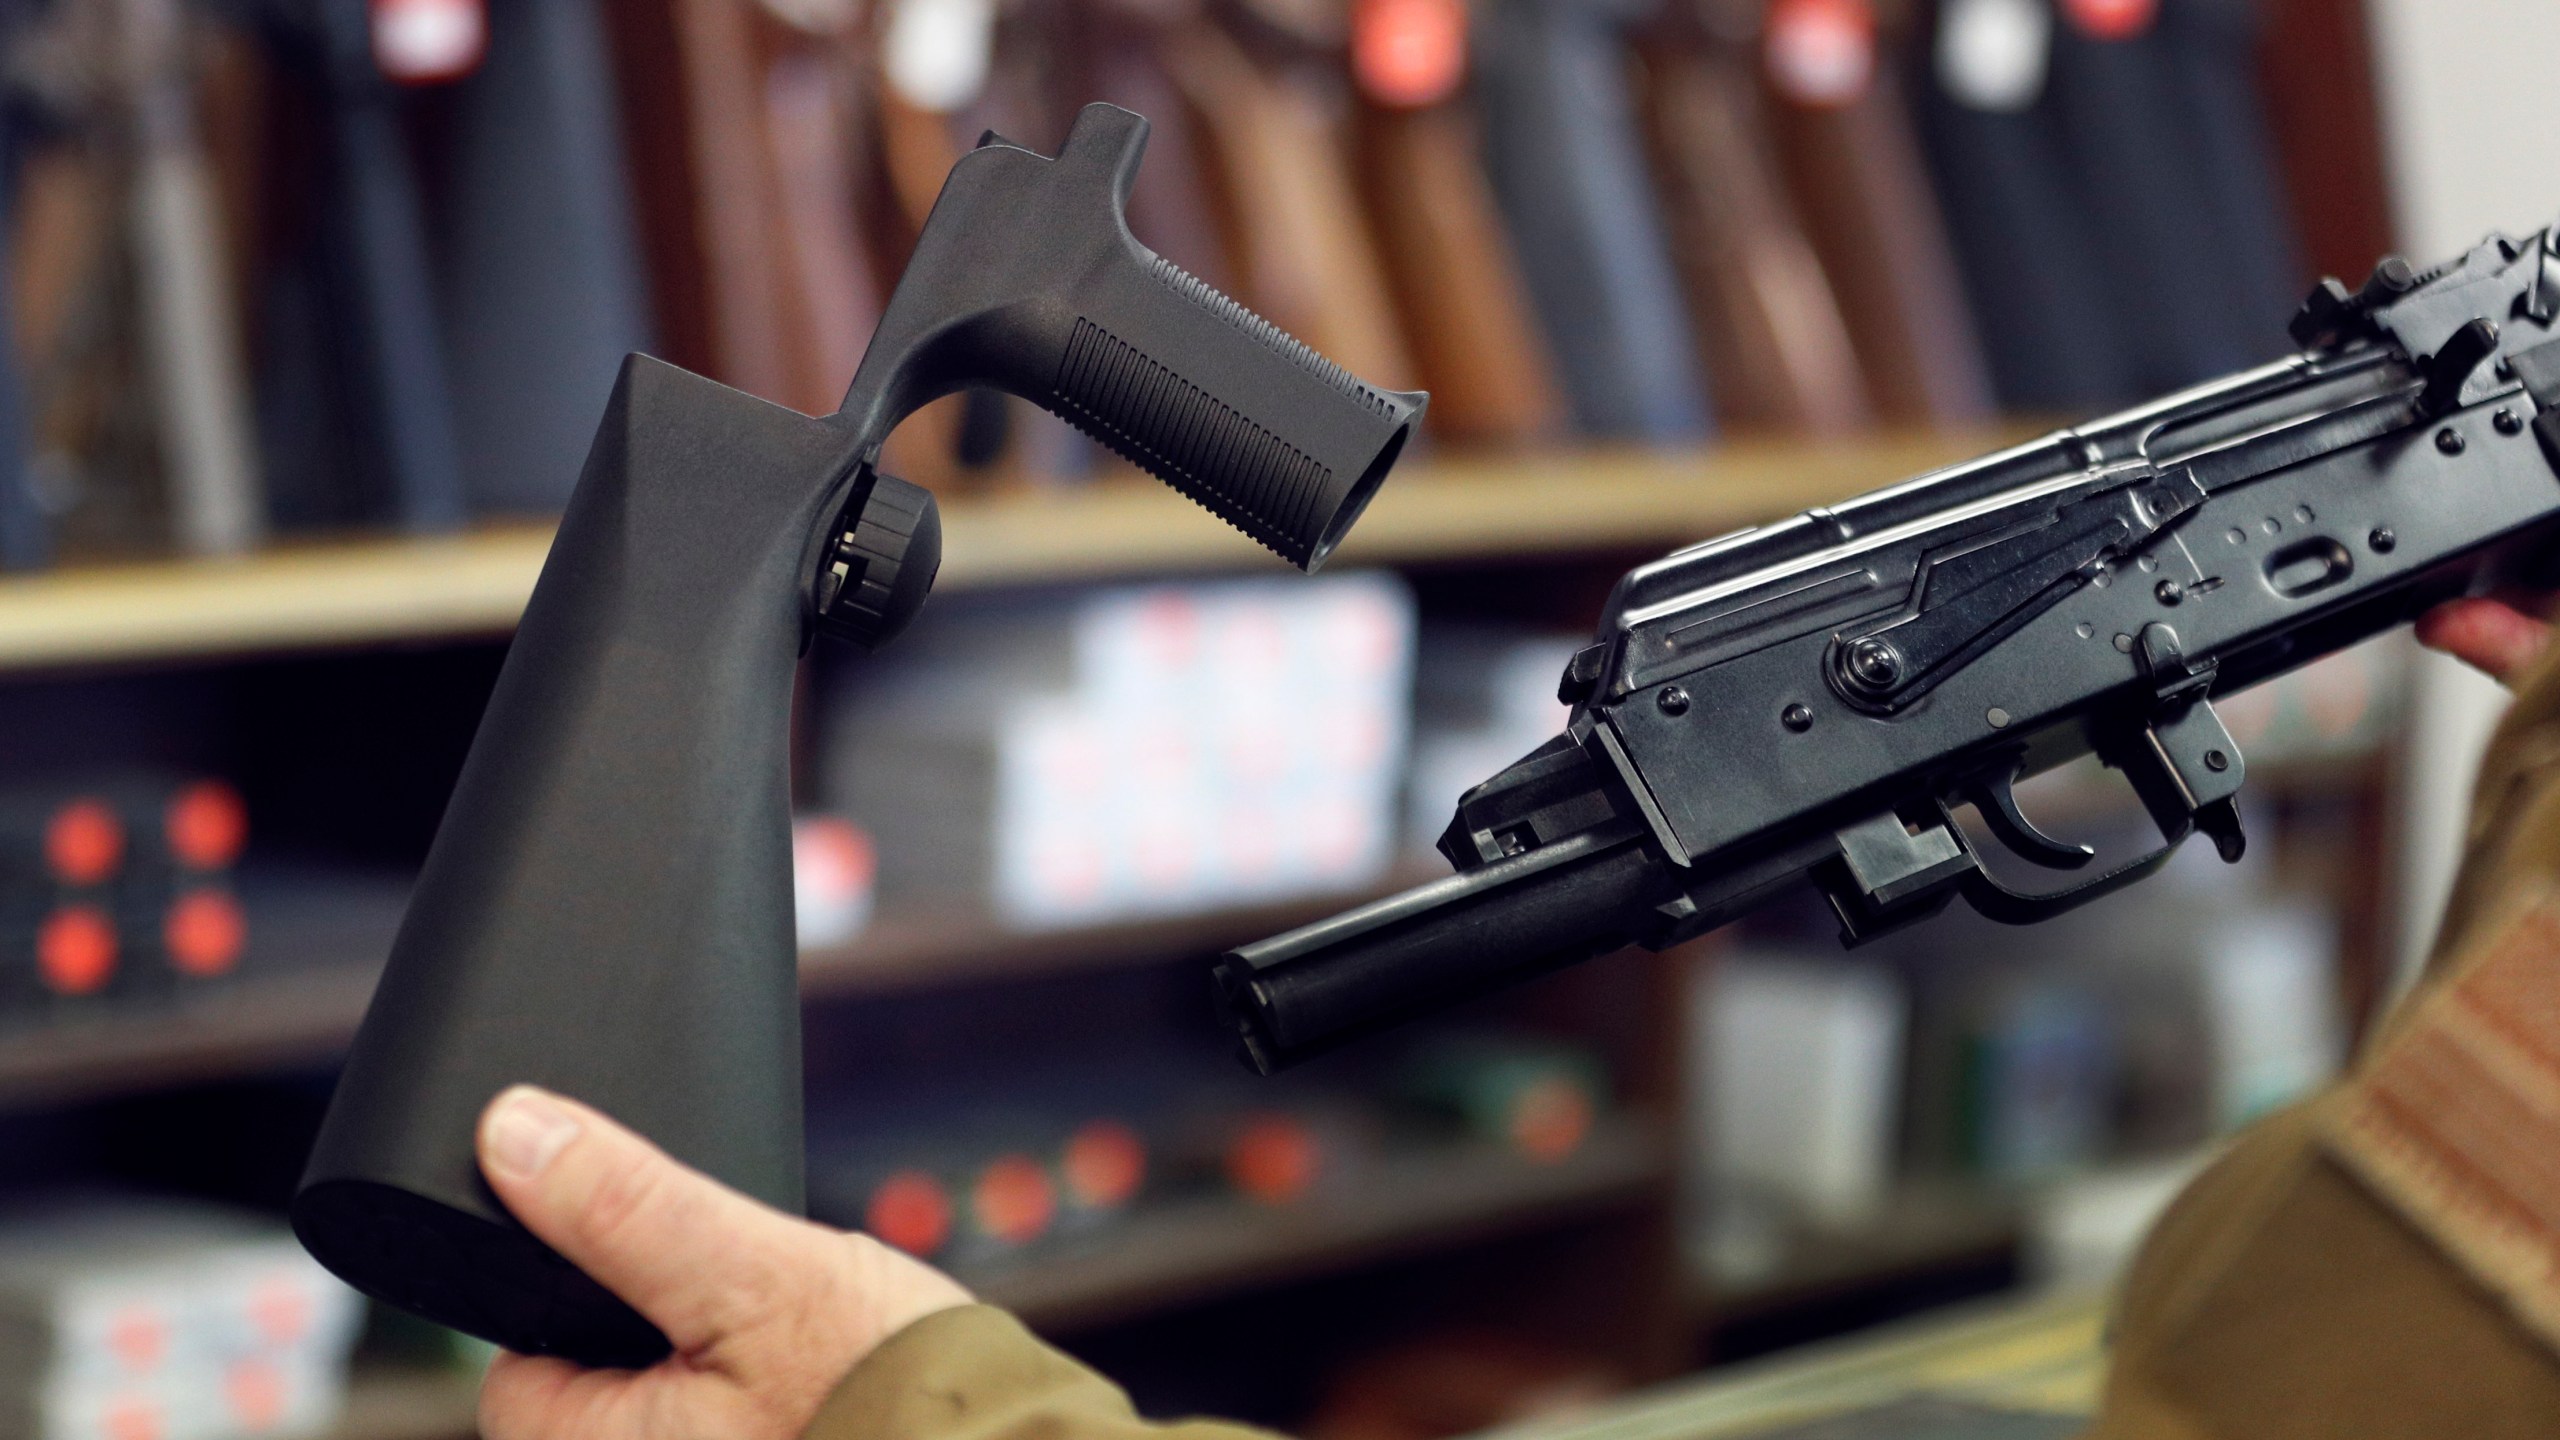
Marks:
<point>881,566</point>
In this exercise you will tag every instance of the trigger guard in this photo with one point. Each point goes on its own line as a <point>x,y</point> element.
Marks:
<point>1994,794</point>
<point>1997,902</point>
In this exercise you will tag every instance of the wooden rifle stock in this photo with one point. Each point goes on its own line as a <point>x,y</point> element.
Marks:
<point>1122,52</point>
<point>1855,168</point>
<point>815,121</point>
<point>1774,335</point>
<point>26,532</point>
<point>1457,284</point>
<point>1276,117</point>
<point>190,320</point>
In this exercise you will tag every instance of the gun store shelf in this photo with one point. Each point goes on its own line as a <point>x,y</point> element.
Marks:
<point>1434,1197</point>
<point>315,953</point>
<point>377,591</point>
<point>1925,1229</point>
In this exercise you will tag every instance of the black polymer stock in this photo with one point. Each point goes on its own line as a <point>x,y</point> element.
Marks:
<point>1810,701</point>
<point>606,909</point>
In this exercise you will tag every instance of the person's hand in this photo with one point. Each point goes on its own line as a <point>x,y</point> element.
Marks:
<point>766,1312</point>
<point>2498,637</point>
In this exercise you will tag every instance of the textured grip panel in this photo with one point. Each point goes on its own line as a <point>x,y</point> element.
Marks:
<point>1193,441</point>
<point>1217,302</point>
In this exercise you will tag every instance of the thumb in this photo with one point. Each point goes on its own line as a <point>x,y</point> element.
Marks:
<point>2489,635</point>
<point>700,1260</point>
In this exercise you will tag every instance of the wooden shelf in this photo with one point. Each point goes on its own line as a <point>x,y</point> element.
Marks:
<point>2040,1361</point>
<point>1428,1200</point>
<point>1926,1228</point>
<point>381,591</point>
<point>263,1023</point>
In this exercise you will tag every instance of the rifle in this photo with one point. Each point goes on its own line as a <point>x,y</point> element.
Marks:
<point>1275,117</point>
<point>1457,285</point>
<point>1124,53</point>
<point>544,287</point>
<point>1810,702</point>
<point>26,531</point>
<point>381,306</point>
<point>2051,329</point>
<point>190,323</point>
<point>1775,336</point>
<point>1567,161</point>
<point>1860,183</point>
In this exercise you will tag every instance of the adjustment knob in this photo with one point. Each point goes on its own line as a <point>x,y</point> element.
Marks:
<point>881,565</point>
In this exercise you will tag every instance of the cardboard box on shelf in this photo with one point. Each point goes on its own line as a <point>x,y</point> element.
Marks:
<point>1133,751</point>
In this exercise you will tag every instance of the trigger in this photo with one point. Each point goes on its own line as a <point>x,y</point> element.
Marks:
<point>1995,796</point>
<point>2221,820</point>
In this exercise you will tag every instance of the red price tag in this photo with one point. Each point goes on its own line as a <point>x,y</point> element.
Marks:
<point>1822,53</point>
<point>1409,53</point>
<point>429,42</point>
<point>2112,19</point>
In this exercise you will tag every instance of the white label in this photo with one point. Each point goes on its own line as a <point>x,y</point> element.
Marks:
<point>1992,54</point>
<point>937,52</point>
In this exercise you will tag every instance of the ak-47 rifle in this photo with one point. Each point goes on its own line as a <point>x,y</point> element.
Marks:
<point>1811,701</point>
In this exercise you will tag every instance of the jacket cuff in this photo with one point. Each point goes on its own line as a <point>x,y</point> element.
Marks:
<point>968,1373</point>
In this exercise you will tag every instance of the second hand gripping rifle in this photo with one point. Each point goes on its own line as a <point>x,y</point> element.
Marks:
<point>1812,701</point>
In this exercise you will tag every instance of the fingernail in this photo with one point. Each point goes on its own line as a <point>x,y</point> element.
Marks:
<point>527,1131</point>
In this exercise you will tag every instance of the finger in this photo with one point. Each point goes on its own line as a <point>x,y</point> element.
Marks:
<point>699,1259</point>
<point>525,1397</point>
<point>521,1398</point>
<point>2489,635</point>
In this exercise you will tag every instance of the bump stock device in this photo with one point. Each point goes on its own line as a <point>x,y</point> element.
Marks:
<point>606,909</point>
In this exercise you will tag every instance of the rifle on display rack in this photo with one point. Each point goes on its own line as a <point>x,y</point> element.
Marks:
<point>1811,701</point>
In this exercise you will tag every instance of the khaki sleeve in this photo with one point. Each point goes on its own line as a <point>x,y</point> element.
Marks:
<point>975,1373</point>
<point>2283,1297</point>
<point>2279,1299</point>
<point>2512,841</point>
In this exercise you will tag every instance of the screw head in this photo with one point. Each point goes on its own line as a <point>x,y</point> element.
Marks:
<point>1874,664</point>
<point>2449,440</point>
<point>2170,592</point>
<point>2507,421</point>
<point>1671,700</point>
<point>2382,540</point>
<point>2216,761</point>
<point>1798,718</point>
